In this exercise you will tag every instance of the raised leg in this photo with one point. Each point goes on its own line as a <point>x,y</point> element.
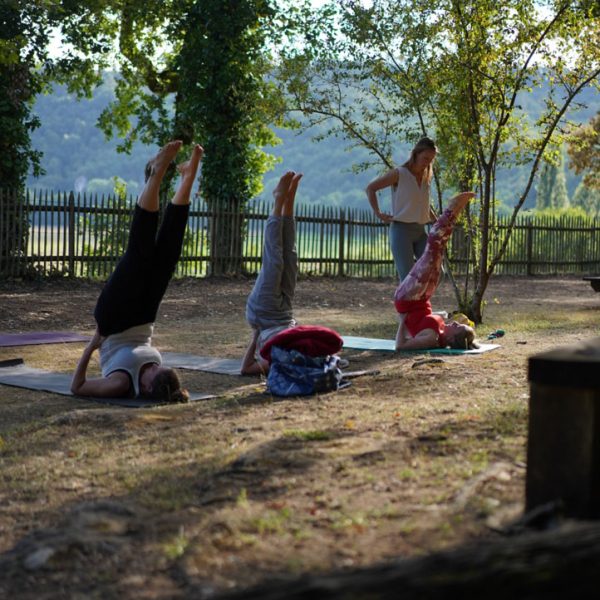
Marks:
<point>169,241</point>
<point>187,171</point>
<point>267,306</point>
<point>422,280</point>
<point>290,255</point>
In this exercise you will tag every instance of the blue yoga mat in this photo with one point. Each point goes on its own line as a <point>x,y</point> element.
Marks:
<point>380,345</point>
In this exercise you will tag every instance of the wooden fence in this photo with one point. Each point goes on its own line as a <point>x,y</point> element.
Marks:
<point>82,236</point>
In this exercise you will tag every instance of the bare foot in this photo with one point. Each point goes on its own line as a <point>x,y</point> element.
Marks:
<point>280,193</point>
<point>460,201</point>
<point>294,185</point>
<point>159,164</point>
<point>284,183</point>
<point>188,168</point>
<point>288,206</point>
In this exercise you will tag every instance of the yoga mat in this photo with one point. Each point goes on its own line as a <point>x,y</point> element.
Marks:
<point>361,343</point>
<point>40,337</point>
<point>22,376</point>
<point>210,364</point>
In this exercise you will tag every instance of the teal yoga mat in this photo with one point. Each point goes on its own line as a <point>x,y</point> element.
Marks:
<point>17,374</point>
<point>380,345</point>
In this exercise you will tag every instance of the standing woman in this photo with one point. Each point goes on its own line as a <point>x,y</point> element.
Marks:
<point>127,307</point>
<point>411,210</point>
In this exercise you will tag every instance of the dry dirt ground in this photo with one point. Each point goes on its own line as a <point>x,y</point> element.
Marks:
<point>188,501</point>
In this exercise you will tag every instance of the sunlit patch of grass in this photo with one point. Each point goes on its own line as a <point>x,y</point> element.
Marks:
<point>407,474</point>
<point>309,436</point>
<point>511,420</point>
<point>446,529</point>
<point>479,459</point>
<point>362,520</point>
<point>527,322</point>
<point>161,491</point>
<point>270,522</point>
<point>242,498</point>
<point>176,548</point>
<point>358,521</point>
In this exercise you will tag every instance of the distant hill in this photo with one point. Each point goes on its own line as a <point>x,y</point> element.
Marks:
<point>78,157</point>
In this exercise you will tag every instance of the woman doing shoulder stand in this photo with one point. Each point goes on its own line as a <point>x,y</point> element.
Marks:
<point>269,308</point>
<point>419,328</point>
<point>411,209</point>
<point>128,304</point>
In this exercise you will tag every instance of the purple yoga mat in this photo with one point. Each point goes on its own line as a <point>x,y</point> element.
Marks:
<point>40,337</point>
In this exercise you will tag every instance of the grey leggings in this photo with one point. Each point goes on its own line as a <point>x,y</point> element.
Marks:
<point>270,302</point>
<point>407,242</point>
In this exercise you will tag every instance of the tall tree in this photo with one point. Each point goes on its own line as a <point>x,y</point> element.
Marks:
<point>551,190</point>
<point>584,151</point>
<point>587,198</point>
<point>459,71</point>
<point>560,195</point>
<point>222,93</point>
<point>26,69</point>
<point>195,70</point>
<point>543,190</point>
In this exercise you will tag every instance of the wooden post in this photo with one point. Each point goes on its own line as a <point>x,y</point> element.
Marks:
<point>71,230</point>
<point>529,249</point>
<point>563,449</point>
<point>212,260</point>
<point>341,243</point>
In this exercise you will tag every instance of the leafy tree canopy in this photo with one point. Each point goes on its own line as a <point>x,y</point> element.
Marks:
<point>584,152</point>
<point>456,71</point>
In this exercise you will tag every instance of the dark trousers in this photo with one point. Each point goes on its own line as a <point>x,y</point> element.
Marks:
<point>134,291</point>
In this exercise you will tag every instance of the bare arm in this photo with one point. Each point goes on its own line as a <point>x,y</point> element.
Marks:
<point>113,386</point>
<point>250,365</point>
<point>432,215</point>
<point>387,180</point>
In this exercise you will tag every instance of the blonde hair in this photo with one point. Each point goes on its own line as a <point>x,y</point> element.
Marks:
<point>425,143</point>
<point>463,339</point>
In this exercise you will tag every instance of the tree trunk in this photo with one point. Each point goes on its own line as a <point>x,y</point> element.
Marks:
<point>227,234</point>
<point>476,308</point>
<point>558,564</point>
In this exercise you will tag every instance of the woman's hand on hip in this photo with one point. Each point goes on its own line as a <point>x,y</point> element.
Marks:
<point>385,217</point>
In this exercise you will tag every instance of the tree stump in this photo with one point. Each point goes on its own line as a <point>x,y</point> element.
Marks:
<point>563,450</point>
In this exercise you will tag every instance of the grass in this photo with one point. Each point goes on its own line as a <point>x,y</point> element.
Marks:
<point>246,487</point>
<point>309,436</point>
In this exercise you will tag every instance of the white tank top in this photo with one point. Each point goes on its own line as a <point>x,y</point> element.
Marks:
<point>129,351</point>
<point>410,202</point>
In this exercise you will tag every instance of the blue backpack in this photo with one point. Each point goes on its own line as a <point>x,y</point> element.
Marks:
<point>295,374</point>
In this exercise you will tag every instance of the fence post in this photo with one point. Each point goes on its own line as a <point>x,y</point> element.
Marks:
<point>342,238</point>
<point>71,230</point>
<point>529,259</point>
<point>213,243</point>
